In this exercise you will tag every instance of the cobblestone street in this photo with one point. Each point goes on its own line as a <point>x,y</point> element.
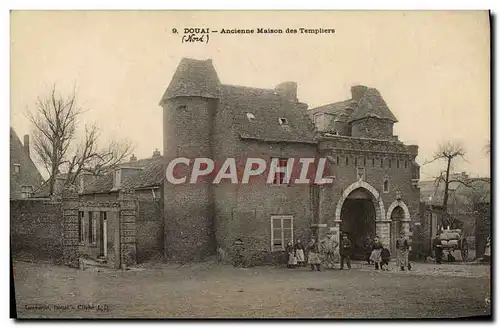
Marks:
<point>210,290</point>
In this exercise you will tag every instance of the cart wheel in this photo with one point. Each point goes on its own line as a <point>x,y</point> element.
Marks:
<point>464,250</point>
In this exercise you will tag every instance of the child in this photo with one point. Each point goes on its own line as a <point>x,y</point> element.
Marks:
<point>290,250</point>
<point>299,253</point>
<point>386,256</point>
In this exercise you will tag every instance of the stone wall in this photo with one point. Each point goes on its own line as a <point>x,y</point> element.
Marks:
<point>36,228</point>
<point>150,230</point>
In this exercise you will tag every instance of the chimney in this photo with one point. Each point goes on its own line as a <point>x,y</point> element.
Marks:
<point>287,90</point>
<point>156,153</point>
<point>27,144</point>
<point>133,158</point>
<point>358,91</point>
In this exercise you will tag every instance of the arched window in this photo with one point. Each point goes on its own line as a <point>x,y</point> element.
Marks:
<point>386,185</point>
<point>347,160</point>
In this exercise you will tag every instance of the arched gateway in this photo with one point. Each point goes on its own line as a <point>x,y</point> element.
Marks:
<point>358,211</point>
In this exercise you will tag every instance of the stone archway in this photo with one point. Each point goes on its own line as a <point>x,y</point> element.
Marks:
<point>381,224</point>
<point>401,204</point>
<point>400,218</point>
<point>379,207</point>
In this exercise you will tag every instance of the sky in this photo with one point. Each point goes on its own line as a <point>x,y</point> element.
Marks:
<point>432,68</point>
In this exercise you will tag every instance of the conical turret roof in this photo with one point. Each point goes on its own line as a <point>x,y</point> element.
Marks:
<point>193,78</point>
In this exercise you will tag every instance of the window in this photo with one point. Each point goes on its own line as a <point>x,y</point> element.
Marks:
<point>17,168</point>
<point>317,119</point>
<point>182,107</point>
<point>92,227</point>
<point>336,133</point>
<point>347,160</point>
<point>250,117</point>
<point>406,164</point>
<point>81,226</point>
<point>355,161</point>
<point>283,121</point>
<point>364,161</point>
<point>373,161</point>
<point>386,185</point>
<point>338,160</point>
<point>117,178</point>
<point>26,191</point>
<point>382,162</point>
<point>279,177</point>
<point>281,232</point>
<point>390,162</point>
<point>397,163</point>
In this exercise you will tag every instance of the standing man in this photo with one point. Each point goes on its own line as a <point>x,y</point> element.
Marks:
<point>345,251</point>
<point>330,245</point>
<point>438,250</point>
<point>403,247</point>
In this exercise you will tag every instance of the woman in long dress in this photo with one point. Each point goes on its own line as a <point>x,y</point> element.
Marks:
<point>290,250</point>
<point>376,257</point>
<point>313,255</point>
<point>403,248</point>
<point>299,253</point>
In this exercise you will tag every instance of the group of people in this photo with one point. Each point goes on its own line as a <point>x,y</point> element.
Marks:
<point>381,255</point>
<point>296,254</point>
<point>331,249</point>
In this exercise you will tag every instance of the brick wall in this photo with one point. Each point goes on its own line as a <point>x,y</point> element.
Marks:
<point>36,227</point>
<point>150,229</point>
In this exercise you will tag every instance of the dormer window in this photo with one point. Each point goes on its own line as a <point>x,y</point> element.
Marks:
<point>17,168</point>
<point>250,117</point>
<point>182,107</point>
<point>283,121</point>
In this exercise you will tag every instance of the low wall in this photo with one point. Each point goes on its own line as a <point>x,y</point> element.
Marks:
<point>36,228</point>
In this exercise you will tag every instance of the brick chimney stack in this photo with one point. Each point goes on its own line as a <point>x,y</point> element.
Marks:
<point>287,90</point>
<point>133,158</point>
<point>358,91</point>
<point>156,153</point>
<point>27,144</point>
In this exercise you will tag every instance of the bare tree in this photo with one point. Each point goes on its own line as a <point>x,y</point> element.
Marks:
<point>487,148</point>
<point>55,122</point>
<point>448,152</point>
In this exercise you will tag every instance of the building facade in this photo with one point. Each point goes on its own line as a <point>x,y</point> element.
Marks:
<point>25,178</point>
<point>374,191</point>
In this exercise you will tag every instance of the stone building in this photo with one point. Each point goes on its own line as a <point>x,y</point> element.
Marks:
<point>375,188</point>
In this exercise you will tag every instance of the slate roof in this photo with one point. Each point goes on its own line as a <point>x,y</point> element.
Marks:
<point>267,107</point>
<point>338,108</point>
<point>196,78</point>
<point>372,105</point>
<point>199,78</point>
<point>152,175</point>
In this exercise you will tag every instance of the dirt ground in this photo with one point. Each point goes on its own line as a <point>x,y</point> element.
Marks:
<point>209,290</point>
